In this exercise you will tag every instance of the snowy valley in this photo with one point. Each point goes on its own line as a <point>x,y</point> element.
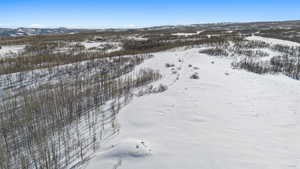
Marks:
<point>200,96</point>
<point>227,118</point>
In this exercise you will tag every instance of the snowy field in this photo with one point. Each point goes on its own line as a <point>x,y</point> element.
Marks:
<point>187,34</point>
<point>273,41</point>
<point>211,116</point>
<point>113,46</point>
<point>228,118</point>
<point>8,51</point>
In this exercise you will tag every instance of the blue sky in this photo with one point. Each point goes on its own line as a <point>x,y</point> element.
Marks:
<point>139,13</point>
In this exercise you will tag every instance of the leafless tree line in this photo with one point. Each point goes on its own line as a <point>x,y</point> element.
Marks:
<point>54,126</point>
<point>287,63</point>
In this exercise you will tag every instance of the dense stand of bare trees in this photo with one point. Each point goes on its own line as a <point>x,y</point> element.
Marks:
<point>59,122</point>
<point>42,53</point>
<point>286,63</point>
<point>249,54</point>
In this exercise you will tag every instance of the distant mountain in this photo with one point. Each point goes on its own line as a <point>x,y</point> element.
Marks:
<point>233,25</point>
<point>10,32</point>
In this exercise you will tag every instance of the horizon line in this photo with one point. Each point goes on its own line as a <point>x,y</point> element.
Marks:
<point>136,26</point>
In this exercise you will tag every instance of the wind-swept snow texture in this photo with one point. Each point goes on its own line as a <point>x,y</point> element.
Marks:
<point>226,119</point>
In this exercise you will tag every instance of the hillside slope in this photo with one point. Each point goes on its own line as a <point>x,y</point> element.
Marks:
<point>227,118</point>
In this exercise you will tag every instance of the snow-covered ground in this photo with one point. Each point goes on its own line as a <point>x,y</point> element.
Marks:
<point>137,38</point>
<point>230,119</point>
<point>187,34</point>
<point>116,46</point>
<point>273,41</point>
<point>8,51</point>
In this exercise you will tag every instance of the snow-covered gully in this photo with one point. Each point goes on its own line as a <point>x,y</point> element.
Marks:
<point>229,119</point>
